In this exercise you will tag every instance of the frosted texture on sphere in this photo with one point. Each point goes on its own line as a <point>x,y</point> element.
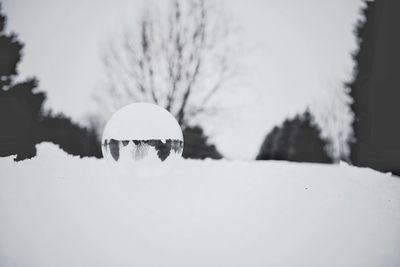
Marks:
<point>142,138</point>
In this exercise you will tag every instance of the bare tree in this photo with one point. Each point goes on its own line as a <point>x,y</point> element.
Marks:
<point>177,59</point>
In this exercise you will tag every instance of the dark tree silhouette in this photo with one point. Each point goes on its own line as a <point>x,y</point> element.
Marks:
<point>375,89</point>
<point>19,118</point>
<point>114,149</point>
<point>73,139</point>
<point>196,145</point>
<point>20,105</point>
<point>297,139</point>
<point>23,124</point>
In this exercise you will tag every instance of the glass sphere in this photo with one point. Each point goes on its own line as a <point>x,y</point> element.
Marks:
<point>142,138</point>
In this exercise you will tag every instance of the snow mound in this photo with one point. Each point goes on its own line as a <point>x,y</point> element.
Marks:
<point>58,210</point>
<point>48,150</point>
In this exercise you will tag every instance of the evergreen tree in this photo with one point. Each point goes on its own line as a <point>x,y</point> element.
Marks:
<point>375,89</point>
<point>23,124</point>
<point>20,105</point>
<point>297,139</point>
<point>196,145</point>
<point>72,138</point>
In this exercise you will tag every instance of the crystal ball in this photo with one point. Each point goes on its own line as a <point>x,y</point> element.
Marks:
<point>142,139</point>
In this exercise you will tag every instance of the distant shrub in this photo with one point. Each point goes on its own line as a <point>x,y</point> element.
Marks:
<point>72,138</point>
<point>296,139</point>
<point>196,145</point>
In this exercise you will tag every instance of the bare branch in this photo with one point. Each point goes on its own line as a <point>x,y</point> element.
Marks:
<point>179,60</point>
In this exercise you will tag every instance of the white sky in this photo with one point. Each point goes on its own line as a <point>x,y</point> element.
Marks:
<point>294,53</point>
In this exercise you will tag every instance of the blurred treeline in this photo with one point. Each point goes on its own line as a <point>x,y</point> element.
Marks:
<point>25,123</point>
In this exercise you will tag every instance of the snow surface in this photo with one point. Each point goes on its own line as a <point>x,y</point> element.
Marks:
<point>142,121</point>
<point>58,210</point>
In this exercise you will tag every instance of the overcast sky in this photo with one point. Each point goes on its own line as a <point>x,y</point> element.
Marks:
<point>294,54</point>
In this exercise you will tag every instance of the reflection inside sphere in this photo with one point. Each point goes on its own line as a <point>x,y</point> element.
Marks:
<point>138,150</point>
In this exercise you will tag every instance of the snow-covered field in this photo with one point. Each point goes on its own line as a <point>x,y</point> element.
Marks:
<point>58,210</point>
